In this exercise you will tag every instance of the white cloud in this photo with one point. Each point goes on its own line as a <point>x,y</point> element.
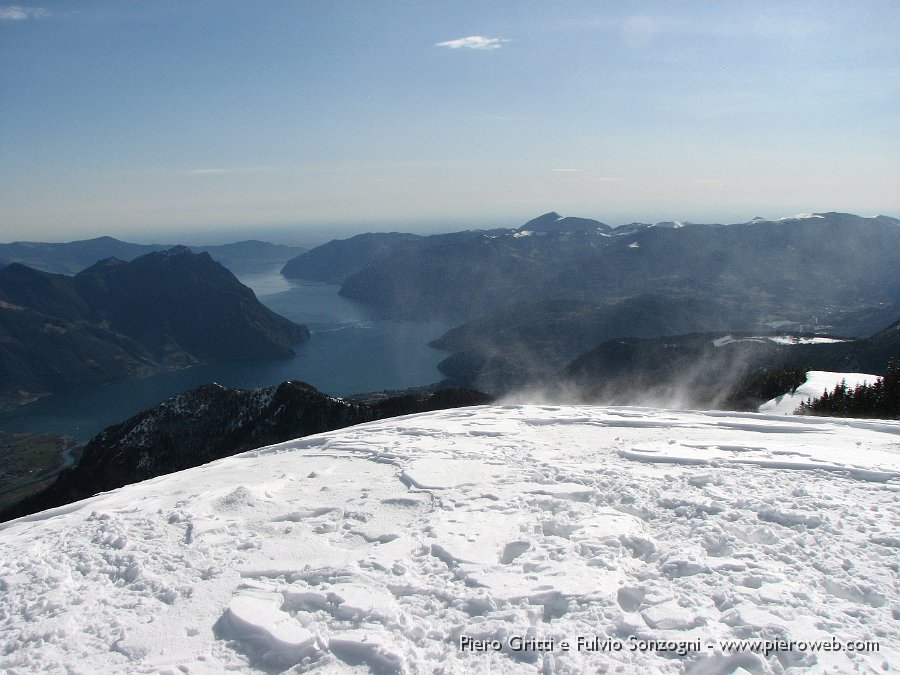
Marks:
<point>473,42</point>
<point>567,170</point>
<point>19,13</point>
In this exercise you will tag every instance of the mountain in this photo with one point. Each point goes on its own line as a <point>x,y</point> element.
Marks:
<point>335,261</point>
<point>497,539</point>
<point>553,222</point>
<point>820,268</point>
<point>118,320</point>
<point>72,257</point>
<point>531,341</point>
<point>213,421</point>
<point>340,259</point>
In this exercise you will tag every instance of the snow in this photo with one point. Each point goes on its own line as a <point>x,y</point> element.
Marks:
<point>502,539</point>
<point>778,339</point>
<point>804,340</point>
<point>802,216</point>
<point>817,382</point>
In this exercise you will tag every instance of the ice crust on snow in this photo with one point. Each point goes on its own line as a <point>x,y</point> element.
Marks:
<point>377,548</point>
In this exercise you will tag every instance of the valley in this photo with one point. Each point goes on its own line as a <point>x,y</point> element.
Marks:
<point>726,345</point>
<point>29,462</point>
<point>349,352</point>
<point>361,344</point>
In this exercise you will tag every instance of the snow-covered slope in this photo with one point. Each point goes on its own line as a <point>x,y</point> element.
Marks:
<point>409,545</point>
<point>817,382</point>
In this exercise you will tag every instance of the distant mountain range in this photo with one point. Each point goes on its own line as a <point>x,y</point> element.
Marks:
<point>72,257</point>
<point>832,268</point>
<point>213,421</point>
<point>533,298</point>
<point>117,320</point>
<point>340,259</point>
<point>673,313</point>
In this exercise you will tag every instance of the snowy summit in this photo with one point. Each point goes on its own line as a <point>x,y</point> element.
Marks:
<point>485,540</point>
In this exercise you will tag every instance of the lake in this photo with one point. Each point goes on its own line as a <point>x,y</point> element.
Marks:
<point>350,352</point>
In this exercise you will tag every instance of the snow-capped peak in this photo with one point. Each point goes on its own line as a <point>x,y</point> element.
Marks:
<point>802,216</point>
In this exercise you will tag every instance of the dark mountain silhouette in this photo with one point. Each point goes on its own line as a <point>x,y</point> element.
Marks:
<point>118,320</point>
<point>211,422</point>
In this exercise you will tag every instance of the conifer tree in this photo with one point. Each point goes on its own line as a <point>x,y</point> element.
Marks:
<point>879,399</point>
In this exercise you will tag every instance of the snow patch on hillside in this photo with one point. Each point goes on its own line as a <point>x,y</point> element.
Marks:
<point>817,382</point>
<point>388,546</point>
<point>777,339</point>
<point>804,340</point>
<point>802,216</point>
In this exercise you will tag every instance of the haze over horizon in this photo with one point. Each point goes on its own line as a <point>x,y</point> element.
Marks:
<point>168,121</point>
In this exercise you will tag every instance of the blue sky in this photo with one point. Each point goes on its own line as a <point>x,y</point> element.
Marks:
<point>150,119</point>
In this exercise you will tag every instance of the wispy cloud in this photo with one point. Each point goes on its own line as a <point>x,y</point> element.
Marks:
<point>223,170</point>
<point>638,30</point>
<point>590,175</point>
<point>20,13</point>
<point>499,117</point>
<point>473,42</point>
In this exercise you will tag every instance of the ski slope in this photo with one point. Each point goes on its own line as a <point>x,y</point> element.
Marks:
<point>499,539</point>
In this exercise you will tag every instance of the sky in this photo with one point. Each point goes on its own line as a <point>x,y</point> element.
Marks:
<point>148,120</point>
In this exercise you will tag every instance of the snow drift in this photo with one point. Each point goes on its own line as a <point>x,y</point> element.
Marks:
<point>493,539</point>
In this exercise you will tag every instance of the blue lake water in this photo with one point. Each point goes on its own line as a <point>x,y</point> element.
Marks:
<point>350,352</point>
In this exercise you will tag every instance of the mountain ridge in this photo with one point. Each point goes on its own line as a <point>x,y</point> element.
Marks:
<point>69,258</point>
<point>754,263</point>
